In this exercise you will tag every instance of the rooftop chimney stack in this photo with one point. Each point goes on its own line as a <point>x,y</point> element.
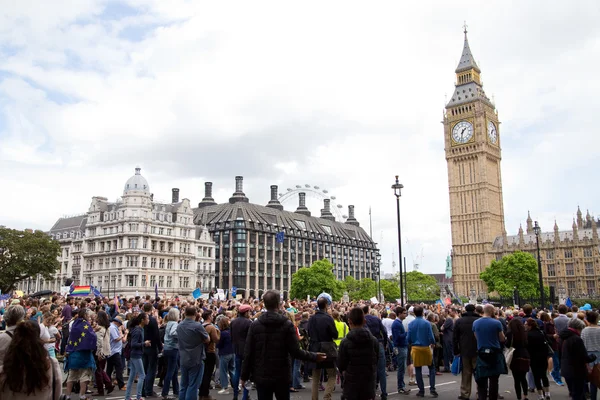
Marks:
<point>238,195</point>
<point>326,211</point>
<point>151,196</point>
<point>175,195</point>
<point>351,220</point>
<point>208,199</point>
<point>274,202</point>
<point>302,205</point>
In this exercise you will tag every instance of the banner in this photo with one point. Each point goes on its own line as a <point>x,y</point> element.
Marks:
<point>374,300</point>
<point>64,290</point>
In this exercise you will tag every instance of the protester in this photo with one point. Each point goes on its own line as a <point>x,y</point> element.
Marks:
<point>447,332</point>
<point>322,332</point>
<point>591,339</point>
<point>400,343</point>
<point>465,346</point>
<point>574,358</point>
<point>377,329</point>
<point>420,336</point>
<point>270,342</point>
<point>102,353</point>
<point>226,356</point>
<point>191,340</point>
<point>520,363</point>
<point>114,362</point>
<point>151,351</point>
<point>409,364</point>
<point>211,356</point>
<point>490,360</point>
<point>239,332</point>
<point>13,315</point>
<point>537,346</point>
<point>137,343</point>
<point>80,348</point>
<point>27,371</point>
<point>358,359</point>
<point>171,353</point>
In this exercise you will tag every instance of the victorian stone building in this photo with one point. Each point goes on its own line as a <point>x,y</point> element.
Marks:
<point>260,247</point>
<point>131,245</point>
<point>569,258</point>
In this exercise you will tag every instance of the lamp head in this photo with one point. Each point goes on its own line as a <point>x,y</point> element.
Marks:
<point>536,229</point>
<point>397,186</point>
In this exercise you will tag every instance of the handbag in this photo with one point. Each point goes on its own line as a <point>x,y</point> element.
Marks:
<point>550,351</point>
<point>508,354</point>
<point>329,348</point>
<point>594,375</point>
<point>456,367</point>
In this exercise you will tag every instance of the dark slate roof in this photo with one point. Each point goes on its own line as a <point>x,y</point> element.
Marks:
<point>220,213</point>
<point>467,93</point>
<point>467,61</point>
<point>68,224</point>
<point>529,239</point>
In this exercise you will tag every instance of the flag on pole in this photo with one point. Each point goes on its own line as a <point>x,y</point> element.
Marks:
<point>72,287</point>
<point>568,303</point>
<point>280,237</point>
<point>197,293</point>
<point>96,292</point>
<point>155,290</point>
<point>81,291</point>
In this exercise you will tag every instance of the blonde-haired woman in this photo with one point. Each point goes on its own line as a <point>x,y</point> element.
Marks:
<point>295,363</point>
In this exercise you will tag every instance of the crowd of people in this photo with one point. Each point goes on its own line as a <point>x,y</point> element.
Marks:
<point>275,347</point>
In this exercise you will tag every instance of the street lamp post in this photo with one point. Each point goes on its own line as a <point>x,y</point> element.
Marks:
<point>537,231</point>
<point>379,276</point>
<point>397,187</point>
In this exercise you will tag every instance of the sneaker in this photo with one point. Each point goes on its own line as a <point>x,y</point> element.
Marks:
<point>434,394</point>
<point>412,383</point>
<point>223,391</point>
<point>547,397</point>
<point>403,391</point>
<point>321,388</point>
<point>420,394</point>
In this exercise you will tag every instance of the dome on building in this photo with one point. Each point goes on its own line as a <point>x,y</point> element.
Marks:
<point>137,182</point>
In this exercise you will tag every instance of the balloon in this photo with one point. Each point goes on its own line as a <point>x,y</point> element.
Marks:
<point>327,297</point>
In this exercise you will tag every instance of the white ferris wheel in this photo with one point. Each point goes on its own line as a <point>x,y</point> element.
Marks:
<point>290,198</point>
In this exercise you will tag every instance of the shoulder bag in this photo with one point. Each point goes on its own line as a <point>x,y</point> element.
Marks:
<point>508,353</point>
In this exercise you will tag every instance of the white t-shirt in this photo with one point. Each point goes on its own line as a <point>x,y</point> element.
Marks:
<point>387,322</point>
<point>45,335</point>
<point>409,318</point>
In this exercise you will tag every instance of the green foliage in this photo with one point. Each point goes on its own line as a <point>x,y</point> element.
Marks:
<point>316,279</point>
<point>514,271</point>
<point>362,289</point>
<point>421,286</point>
<point>390,290</point>
<point>24,254</point>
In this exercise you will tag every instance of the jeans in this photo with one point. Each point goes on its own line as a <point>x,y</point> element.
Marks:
<point>556,367</point>
<point>296,384</point>
<point>401,363</point>
<point>226,368</point>
<point>482,388</point>
<point>530,381</point>
<point>281,391</point>
<point>114,361</point>
<point>191,377</point>
<point>172,358</point>
<point>420,383</point>
<point>137,368</point>
<point>448,355</point>
<point>150,359</point>
<point>381,371</point>
<point>209,367</point>
<point>235,381</point>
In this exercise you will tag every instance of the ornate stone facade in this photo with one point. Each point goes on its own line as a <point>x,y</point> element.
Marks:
<point>473,154</point>
<point>570,259</point>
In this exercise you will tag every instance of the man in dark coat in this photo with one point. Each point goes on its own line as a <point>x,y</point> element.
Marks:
<point>465,346</point>
<point>358,358</point>
<point>153,346</point>
<point>239,332</point>
<point>270,343</point>
<point>321,329</point>
<point>377,329</point>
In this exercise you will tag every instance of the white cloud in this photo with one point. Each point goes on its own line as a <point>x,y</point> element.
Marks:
<point>337,94</point>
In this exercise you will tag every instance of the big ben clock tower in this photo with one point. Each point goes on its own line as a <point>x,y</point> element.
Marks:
<point>472,143</point>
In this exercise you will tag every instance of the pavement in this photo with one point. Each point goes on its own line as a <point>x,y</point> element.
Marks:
<point>447,385</point>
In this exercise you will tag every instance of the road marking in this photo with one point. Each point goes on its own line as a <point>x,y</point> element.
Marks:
<point>427,387</point>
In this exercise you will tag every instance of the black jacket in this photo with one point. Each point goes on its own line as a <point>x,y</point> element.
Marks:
<point>520,354</point>
<point>270,342</point>
<point>357,359</point>
<point>537,348</point>
<point>152,334</point>
<point>574,355</point>
<point>239,332</point>
<point>464,342</point>
<point>321,328</point>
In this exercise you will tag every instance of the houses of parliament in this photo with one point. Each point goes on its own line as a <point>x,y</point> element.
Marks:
<point>472,137</point>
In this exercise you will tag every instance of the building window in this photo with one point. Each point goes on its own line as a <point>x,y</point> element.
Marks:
<point>591,287</point>
<point>550,254</point>
<point>569,268</point>
<point>143,280</point>
<point>161,281</point>
<point>169,264</point>
<point>569,253</point>
<point>589,268</point>
<point>153,262</point>
<point>152,280</point>
<point>571,288</point>
<point>551,270</point>
<point>587,252</point>
<point>161,263</point>
<point>144,262</point>
<point>133,243</point>
<point>169,281</point>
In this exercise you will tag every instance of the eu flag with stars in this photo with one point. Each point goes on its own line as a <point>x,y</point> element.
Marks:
<point>82,336</point>
<point>280,237</point>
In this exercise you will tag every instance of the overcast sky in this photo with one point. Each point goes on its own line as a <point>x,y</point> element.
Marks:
<point>343,95</point>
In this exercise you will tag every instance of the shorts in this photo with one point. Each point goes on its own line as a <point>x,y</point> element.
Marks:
<point>80,375</point>
<point>409,360</point>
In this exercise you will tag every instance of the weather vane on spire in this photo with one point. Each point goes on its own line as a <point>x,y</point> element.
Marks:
<point>465,26</point>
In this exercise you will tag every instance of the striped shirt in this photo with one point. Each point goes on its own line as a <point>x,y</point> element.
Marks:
<point>591,338</point>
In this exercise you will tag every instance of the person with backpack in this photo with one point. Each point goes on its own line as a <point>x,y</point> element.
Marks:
<point>135,348</point>
<point>239,331</point>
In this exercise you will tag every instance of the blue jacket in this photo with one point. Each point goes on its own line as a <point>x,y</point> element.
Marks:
<point>398,334</point>
<point>136,337</point>
<point>225,344</point>
<point>376,327</point>
<point>420,333</point>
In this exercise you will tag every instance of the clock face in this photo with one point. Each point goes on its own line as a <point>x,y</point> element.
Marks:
<point>492,132</point>
<point>462,132</point>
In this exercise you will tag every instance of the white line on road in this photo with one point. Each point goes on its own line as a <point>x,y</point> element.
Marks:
<point>427,387</point>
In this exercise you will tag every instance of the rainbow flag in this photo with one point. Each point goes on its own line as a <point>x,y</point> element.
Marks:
<point>81,291</point>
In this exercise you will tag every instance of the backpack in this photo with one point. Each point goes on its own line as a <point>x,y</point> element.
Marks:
<point>127,351</point>
<point>304,342</point>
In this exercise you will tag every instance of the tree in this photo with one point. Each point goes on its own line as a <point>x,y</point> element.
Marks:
<point>421,286</point>
<point>362,289</point>
<point>514,271</point>
<point>314,280</point>
<point>390,290</point>
<point>25,254</point>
